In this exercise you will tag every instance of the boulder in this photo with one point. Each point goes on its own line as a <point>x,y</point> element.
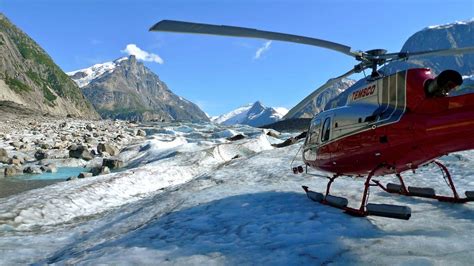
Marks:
<point>73,147</point>
<point>3,153</point>
<point>4,160</point>
<point>236,137</point>
<point>108,148</point>
<point>49,168</point>
<point>71,178</point>
<point>90,127</point>
<point>100,170</point>
<point>11,171</point>
<point>45,146</point>
<point>84,175</point>
<point>22,160</point>
<point>285,143</point>
<point>90,140</point>
<point>15,161</point>
<point>141,133</point>
<point>112,163</point>
<point>32,170</point>
<point>80,152</point>
<point>40,155</point>
<point>272,133</point>
<point>16,144</point>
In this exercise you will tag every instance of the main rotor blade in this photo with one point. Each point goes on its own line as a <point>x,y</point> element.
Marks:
<point>200,28</point>
<point>317,92</point>
<point>440,52</point>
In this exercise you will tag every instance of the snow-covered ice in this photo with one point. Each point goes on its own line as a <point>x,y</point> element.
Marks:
<point>192,197</point>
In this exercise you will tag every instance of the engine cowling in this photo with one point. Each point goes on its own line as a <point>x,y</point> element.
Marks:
<point>443,83</point>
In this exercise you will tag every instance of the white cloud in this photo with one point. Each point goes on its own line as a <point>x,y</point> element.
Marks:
<point>133,49</point>
<point>261,50</point>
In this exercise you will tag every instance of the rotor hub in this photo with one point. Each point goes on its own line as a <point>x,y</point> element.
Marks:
<point>376,52</point>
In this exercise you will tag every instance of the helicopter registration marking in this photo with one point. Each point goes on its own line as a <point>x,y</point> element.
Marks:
<point>365,92</point>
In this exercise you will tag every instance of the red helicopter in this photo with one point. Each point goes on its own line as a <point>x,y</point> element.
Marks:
<point>383,124</point>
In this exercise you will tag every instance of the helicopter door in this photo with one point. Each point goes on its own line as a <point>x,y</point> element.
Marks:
<point>324,151</point>
<point>312,141</point>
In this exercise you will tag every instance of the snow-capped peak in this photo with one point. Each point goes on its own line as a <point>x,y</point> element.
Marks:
<point>235,115</point>
<point>448,25</point>
<point>253,114</point>
<point>83,77</point>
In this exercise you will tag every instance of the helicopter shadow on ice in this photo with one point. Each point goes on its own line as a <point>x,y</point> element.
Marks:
<point>277,227</point>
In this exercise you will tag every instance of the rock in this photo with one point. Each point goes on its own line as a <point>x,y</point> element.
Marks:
<point>90,127</point>
<point>63,125</point>
<point>22,160</point>
<point>3,153</point>
<point>72,147</point>
<point>45,146</point>
<point>80,152</point>
<point>112,163</point>
<point>84,175</point>
<point>141,133</point>
<point>272,133</point>
<point>236,137</point>
<point>302,135</point>
<point>15,161</point>
<point>32,170</point>
<point>49,168</point>
<point>11,171</point>
<point>100,170</point>
<point>15,144</point>
<point>59,145</point>
<point>4,159</point>
<point>285,143</point>
<point>108,148</point>
<point>40,155</point>
<point>91,140</point>
<point>71,178</point>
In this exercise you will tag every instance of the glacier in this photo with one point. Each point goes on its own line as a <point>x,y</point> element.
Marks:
<point>190,196</point>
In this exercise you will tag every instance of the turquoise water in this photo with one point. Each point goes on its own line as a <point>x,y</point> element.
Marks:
<point>18,184</point>
<point>62,173</point>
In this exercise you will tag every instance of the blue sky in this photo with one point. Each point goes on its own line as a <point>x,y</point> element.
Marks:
<point>221,73</point>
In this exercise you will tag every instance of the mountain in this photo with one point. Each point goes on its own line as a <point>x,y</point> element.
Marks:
<point>127,89</point>
<point>254,114</point>
<point>454,35</point>
<point>29,78</point>
<point>318,102</point>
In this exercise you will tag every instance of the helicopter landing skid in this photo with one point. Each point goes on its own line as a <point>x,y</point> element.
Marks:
<point>386,210</point>
<point>365,209</point>
<point>424,192</point>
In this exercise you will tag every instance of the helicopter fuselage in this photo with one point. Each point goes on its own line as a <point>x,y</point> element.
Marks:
<point>392,122</point>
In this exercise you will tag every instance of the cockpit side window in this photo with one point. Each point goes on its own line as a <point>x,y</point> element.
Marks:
<point>326,130</point>
<point>314,132</point>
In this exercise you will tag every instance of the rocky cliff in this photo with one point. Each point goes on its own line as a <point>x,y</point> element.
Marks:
<point>127,89</point>
<point>30,78</point>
